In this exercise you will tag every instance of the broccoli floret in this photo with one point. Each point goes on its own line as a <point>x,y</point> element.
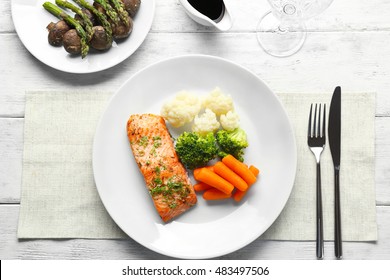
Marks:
<point>232,142</point>
<point>195,150</point>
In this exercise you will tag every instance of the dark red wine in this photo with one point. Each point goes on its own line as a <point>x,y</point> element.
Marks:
<point>210,8</point>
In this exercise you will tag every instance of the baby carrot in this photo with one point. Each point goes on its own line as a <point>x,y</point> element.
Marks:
<point>214,194</point>
<point>239,168</point>
<point>201,187</point>
<point>229,175</point>
<point>238,195</point>
<point>210,178</point>
<point>254,170</point>
<point>196,170</point>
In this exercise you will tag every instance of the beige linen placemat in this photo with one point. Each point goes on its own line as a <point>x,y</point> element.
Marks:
<point>59,198</point>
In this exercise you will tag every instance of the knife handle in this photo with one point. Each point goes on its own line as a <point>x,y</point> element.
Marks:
<point>337,212</point>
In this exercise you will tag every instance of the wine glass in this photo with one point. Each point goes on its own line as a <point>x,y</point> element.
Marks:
<point>282,31</point>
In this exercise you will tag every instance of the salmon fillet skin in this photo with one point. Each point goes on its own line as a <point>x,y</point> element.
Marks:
<point>165,176</point>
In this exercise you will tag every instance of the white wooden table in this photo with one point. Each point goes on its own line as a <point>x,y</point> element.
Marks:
<point>348,45</point>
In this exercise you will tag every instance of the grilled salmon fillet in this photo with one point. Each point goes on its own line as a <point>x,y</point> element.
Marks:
<point>165,176</point>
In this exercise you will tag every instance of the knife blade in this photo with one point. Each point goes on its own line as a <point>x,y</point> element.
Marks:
<point>334,135</point>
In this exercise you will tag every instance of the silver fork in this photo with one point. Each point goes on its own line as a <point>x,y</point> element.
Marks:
<point>316,141</point>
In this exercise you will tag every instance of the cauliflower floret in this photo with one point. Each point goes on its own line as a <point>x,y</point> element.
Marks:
<point>230,121</point>
<point>218,102</point>
<point>182,109</point>
<point>205,123</point>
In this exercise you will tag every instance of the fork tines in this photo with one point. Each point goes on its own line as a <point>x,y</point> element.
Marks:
<point>315,129</point>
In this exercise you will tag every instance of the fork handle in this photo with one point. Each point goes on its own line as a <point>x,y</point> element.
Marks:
<point>320,228</point>
<point>337,212</point>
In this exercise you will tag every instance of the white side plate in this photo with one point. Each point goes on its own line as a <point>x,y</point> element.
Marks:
<point>30,20</point>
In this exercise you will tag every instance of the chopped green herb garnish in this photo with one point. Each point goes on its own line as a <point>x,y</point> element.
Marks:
<point>157,144</point>
<point>153,151</point>
<point>162,165</point>
<point>173,205</point>
<point>143,141</point>
<point>168,189</point>
<point>158,181</point>
<point>175,185</point>
<point>156,141</point>
<point>162,189</point>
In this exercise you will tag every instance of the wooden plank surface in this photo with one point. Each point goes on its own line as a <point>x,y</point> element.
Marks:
<point>357,61</point>
<point>11,152</point>
<point>344,15</point>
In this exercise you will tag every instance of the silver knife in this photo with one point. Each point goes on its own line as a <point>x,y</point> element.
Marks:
<point>334,134</point>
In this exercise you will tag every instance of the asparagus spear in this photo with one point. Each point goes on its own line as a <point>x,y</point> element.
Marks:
<point>87,23</point>
<point>120,8</point>
<point>53,9</point>
<point>102,17</point>
<point>109,10</point>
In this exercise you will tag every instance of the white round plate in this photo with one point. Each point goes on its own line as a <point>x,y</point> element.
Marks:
<point>209,229</point>
<point>30,20</point>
